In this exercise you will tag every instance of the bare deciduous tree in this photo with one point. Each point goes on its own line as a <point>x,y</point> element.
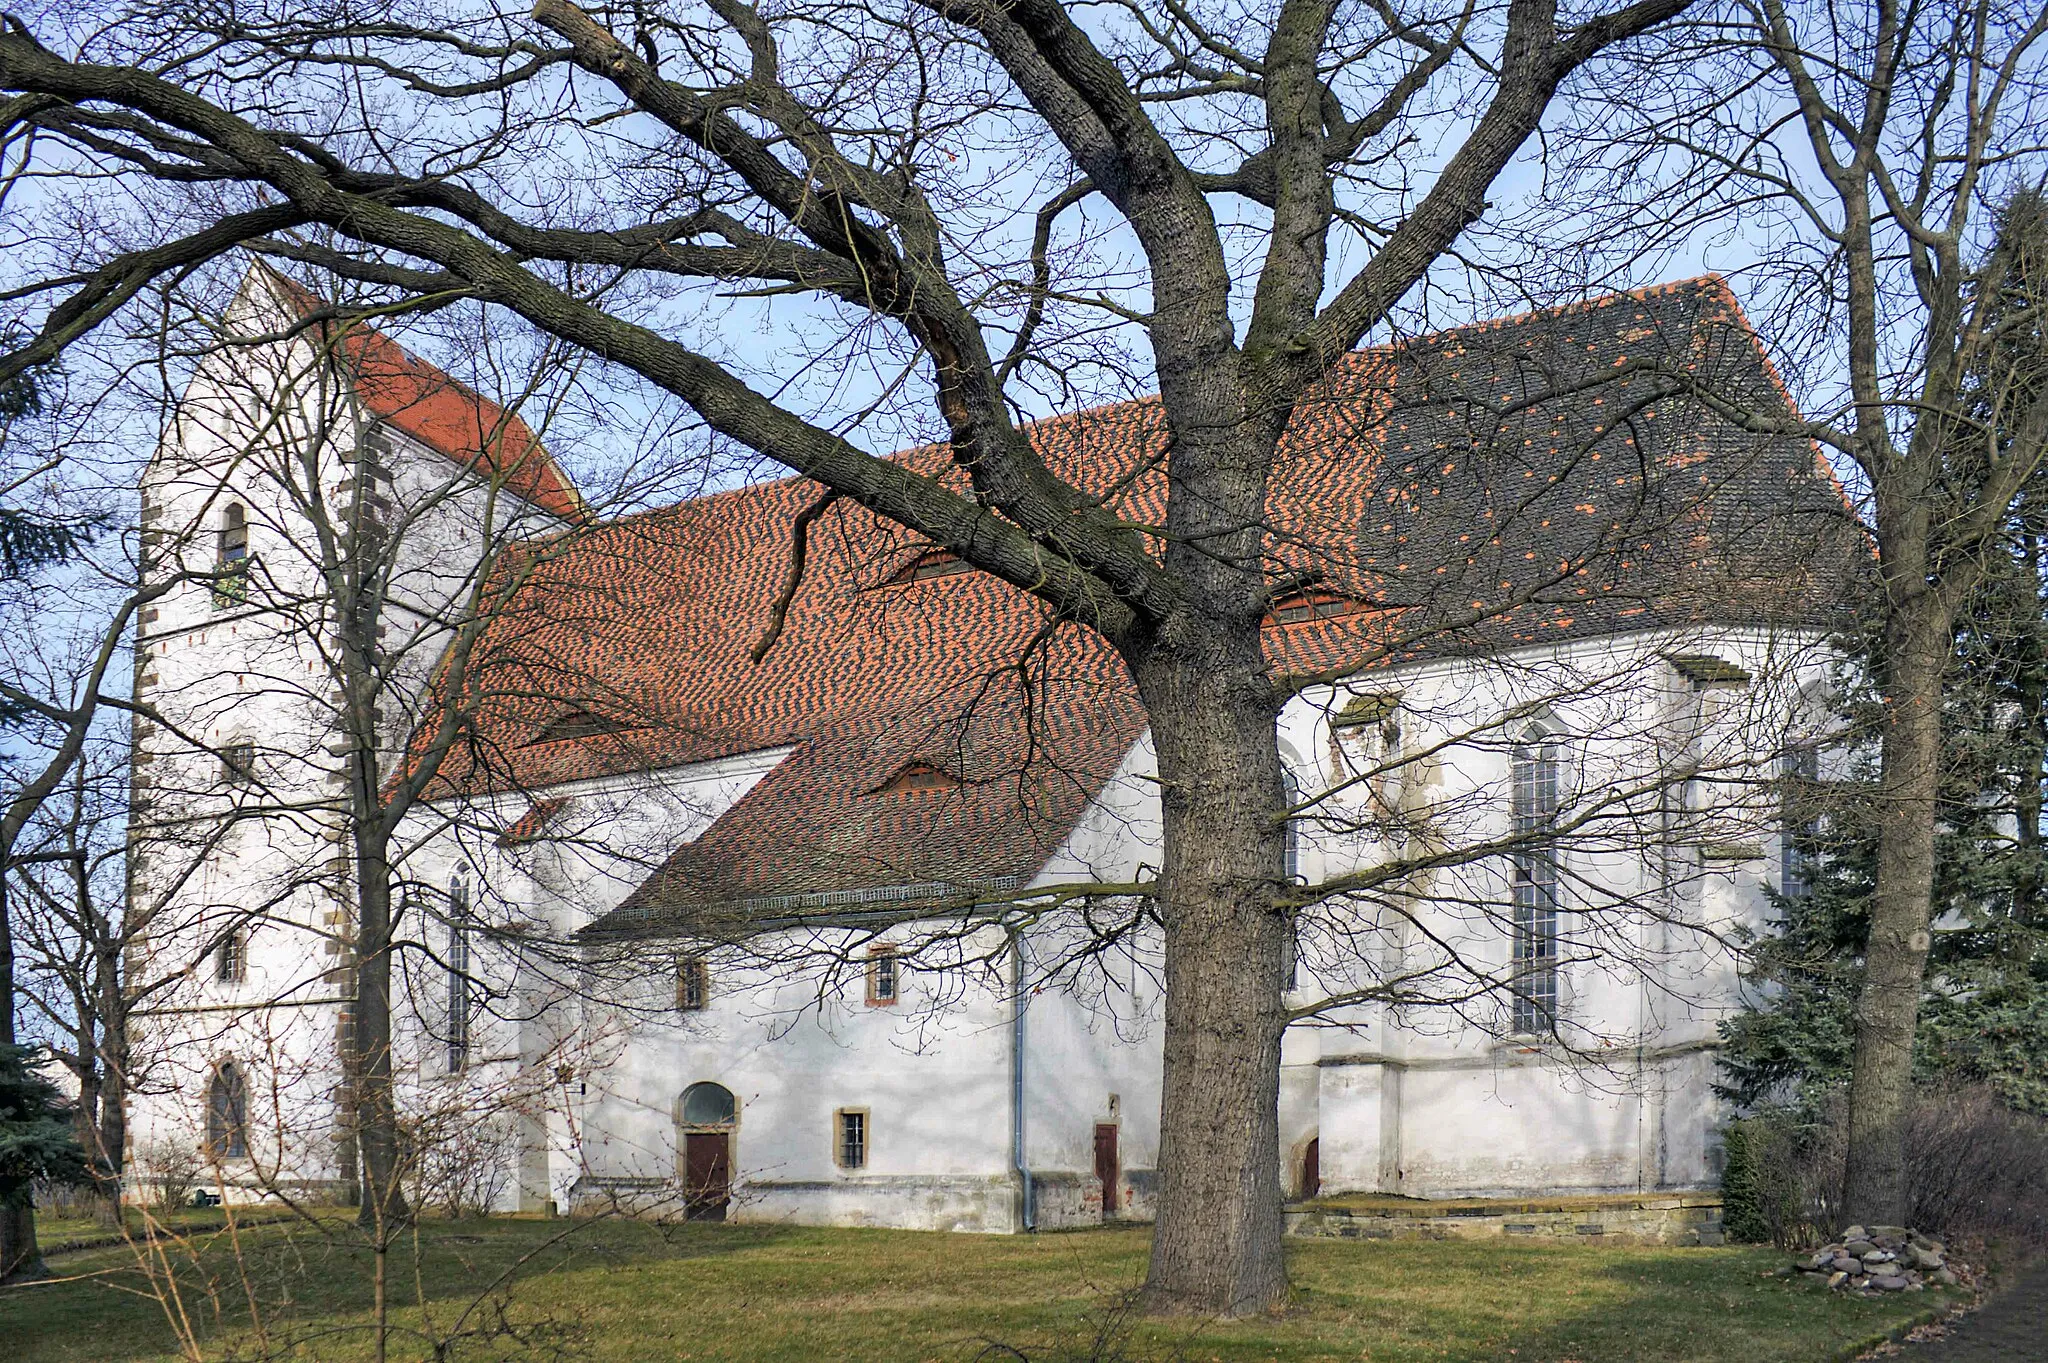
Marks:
<point>1278,180</point>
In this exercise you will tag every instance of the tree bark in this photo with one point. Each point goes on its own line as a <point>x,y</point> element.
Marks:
<point>383,1208</point>
<point>1888,1007</point>
<point>1217,1247</point>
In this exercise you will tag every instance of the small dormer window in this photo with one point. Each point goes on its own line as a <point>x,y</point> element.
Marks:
<point>578,723</point>
<point>917,778</point>
<point>931,563</point>
<point>1302,607</point>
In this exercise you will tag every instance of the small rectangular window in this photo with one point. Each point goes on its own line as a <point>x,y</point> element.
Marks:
<point>851,1149</point>
<point>693,984</point>
<point>238,764</point>
<point>230,964</point>
<point>882,977</point>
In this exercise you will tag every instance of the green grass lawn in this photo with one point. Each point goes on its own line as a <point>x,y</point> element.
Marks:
<point>626,1291</point>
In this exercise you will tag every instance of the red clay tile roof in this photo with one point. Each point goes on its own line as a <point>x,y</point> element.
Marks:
<point>1432,482</point>
<point>447,416</point>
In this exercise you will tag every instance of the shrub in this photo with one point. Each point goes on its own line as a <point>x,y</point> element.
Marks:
<point>1974,1167</point>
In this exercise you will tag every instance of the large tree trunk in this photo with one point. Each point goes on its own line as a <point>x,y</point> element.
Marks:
<point>376,1110</point>
<point>1217,1247</point>
<point>1917,640</point>
<point>113,1125</point>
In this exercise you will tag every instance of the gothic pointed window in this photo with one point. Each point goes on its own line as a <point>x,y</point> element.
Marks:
<point>1535,799</point>
<point>227,1113</point>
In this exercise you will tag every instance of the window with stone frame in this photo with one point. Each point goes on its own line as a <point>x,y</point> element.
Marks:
<point>1535,798</point>
<point>231,557</point>
<point>885,977</point>
<point>850,1138</point>
<point>693,984</point>
<point>230,958</point>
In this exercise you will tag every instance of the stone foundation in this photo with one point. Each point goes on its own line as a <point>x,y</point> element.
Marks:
<point>1628,1219</point>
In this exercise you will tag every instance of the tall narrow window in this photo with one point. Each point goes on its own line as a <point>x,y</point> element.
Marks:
<point>1535,801</point>
<point>883,978</point>
<point>1800,827</point>
<point>693,984</point>
<point>458,976</point>
<point>227,1114</point>
<point>1291,958</point>
<point>231,561</point>
<point>851,1150</point>
<point>230,961</point>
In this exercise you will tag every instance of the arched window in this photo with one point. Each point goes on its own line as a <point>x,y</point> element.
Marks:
<point>708,1104</point>
<point>231,559</point>
<point>227,1113</point>
<point>234,534</point>
<point>1535,798</point>
<point>458,975</point>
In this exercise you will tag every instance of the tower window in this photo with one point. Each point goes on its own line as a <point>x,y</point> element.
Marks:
<point>227,1114</point>
<point>238,764</point>
<point>850,1147</point>
<point>231,559</point>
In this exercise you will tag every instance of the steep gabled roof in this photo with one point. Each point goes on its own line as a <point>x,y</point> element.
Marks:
<point>447,416</point>
<point>1541,478</point>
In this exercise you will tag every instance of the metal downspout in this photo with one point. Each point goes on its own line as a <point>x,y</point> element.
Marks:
<point>1019,1002</point>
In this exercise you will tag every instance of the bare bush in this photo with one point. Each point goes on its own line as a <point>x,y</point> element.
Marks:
<point>457,1164</point>
<point>1975,1169</point>
<point>173,1169</point>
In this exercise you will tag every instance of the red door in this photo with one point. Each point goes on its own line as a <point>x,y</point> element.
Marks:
<point>1106,1167</point>
<point>707,1174</point>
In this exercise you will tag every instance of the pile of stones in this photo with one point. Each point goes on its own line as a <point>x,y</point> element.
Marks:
<point>1871,1259</point>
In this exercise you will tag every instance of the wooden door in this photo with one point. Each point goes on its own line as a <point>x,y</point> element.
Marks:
<point>707,1174</point>
<point>1312,1168</point>
<point>1106,1168</point>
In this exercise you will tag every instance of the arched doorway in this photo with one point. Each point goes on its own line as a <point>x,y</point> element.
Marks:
<point>1312,1168</point>
<point>706,1115</point>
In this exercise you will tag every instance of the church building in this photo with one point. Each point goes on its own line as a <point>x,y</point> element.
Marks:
<point>777,866</point>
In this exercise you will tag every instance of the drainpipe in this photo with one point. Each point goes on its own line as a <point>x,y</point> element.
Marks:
<point>1018,1003</point>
